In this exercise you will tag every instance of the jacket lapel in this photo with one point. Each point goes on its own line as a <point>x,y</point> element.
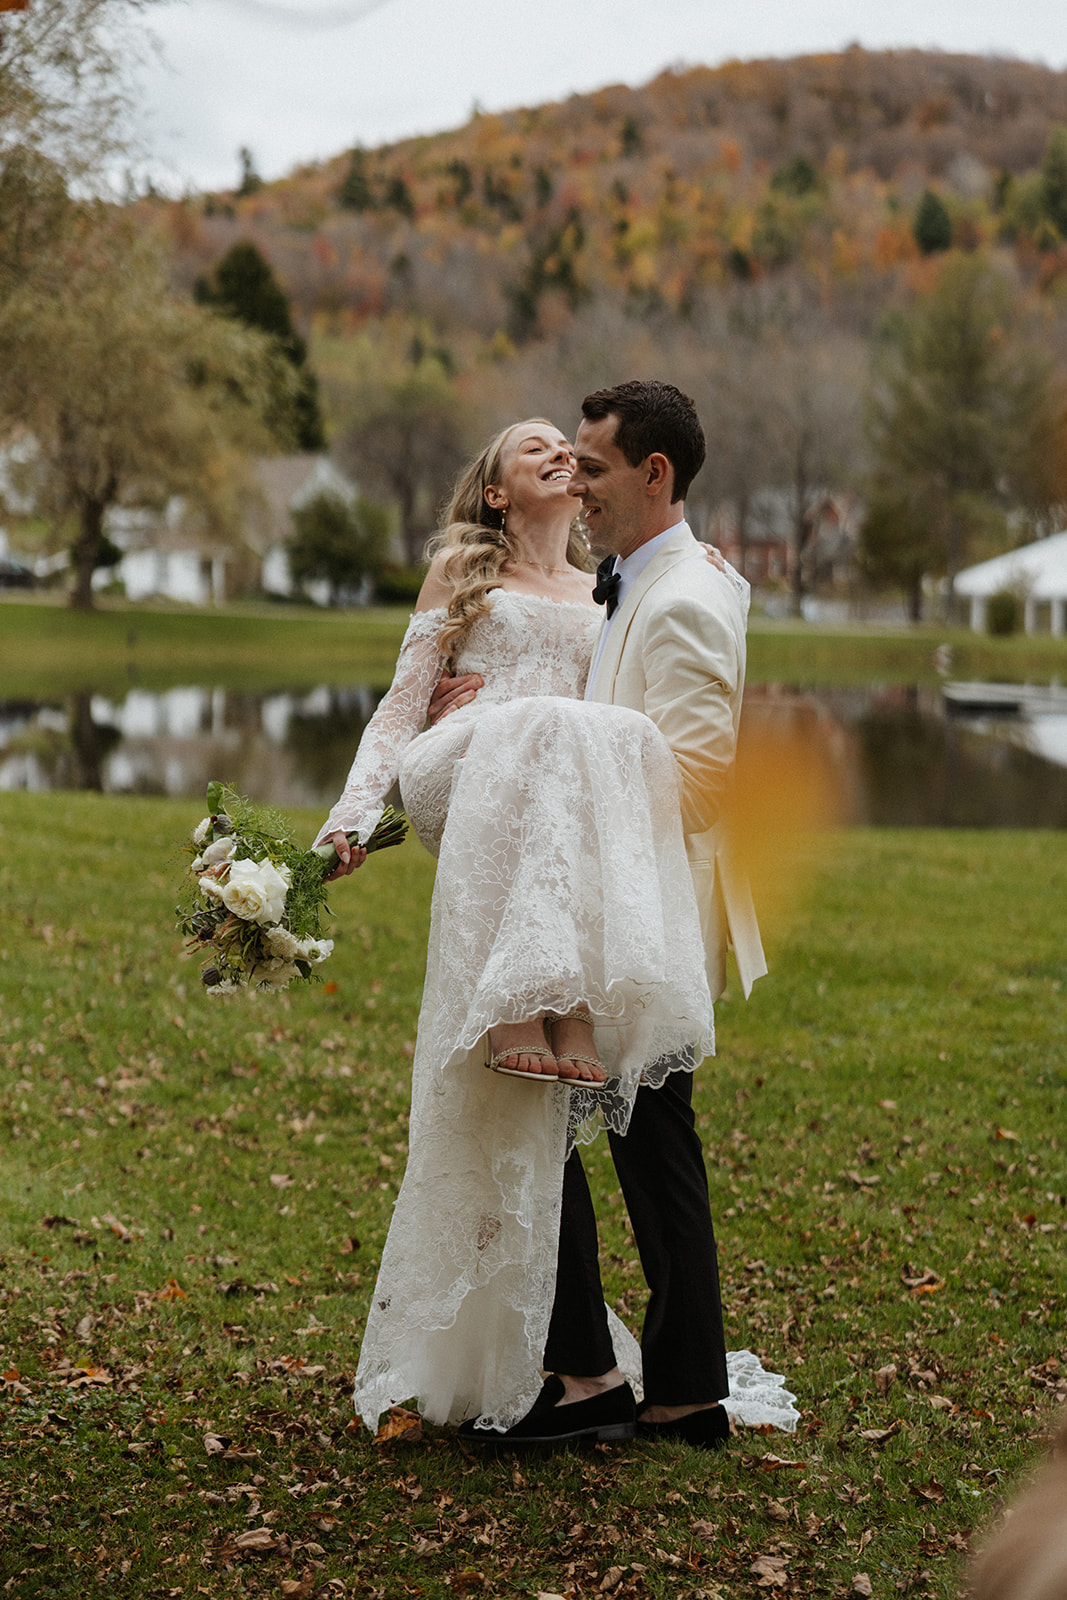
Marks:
<point>677,548</point>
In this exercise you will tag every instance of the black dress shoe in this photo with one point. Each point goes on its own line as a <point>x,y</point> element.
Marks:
<point>707,1430</point>
<point>603,1419</point>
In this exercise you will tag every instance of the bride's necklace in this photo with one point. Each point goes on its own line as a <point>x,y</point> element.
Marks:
<point>542,568</point>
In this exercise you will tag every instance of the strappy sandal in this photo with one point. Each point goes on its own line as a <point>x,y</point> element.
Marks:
<point>551,1019</point>
<point>524,1050</point>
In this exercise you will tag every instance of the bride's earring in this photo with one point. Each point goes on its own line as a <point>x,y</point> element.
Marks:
<point>503,519</point>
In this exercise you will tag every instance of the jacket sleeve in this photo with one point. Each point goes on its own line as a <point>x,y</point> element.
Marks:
<point>693,655</point>
<point>400,715</point>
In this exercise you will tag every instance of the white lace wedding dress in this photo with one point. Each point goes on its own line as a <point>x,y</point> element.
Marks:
<point>561,882</point>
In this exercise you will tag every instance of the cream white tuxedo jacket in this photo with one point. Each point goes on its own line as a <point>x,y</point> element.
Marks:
<point>676,651</point>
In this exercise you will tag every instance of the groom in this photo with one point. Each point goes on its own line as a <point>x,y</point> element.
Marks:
<point>672,646</point>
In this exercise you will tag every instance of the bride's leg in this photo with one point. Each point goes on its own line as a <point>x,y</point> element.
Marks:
<point>521,1048</point>
<point>575,1048</point>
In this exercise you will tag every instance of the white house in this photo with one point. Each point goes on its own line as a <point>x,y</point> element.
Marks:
<point>166,553</point>
<point>1037,573</point>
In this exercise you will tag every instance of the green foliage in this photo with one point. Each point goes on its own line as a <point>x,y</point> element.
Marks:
<point>398,197</point>
<point>932,227</point>
<point>631,137</point>
<point>1003,613</point>
<point>1054,179</point>
<point>355,192</point>
<point>250,180</point>
<point>188,1183</point>
<point>554,263</point>
<point>895,543</point>
<point>797,178</point>
<point>398,586</point>
<point>339,540</point>
<point>776,235</point>
<point>958,405</point>
<point>246,289</point>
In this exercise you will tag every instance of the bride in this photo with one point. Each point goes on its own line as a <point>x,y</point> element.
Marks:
<point>564,950</point>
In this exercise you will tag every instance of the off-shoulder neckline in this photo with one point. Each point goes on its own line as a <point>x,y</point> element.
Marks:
<point>514,594</point>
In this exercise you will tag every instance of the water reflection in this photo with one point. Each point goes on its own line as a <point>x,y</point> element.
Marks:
<point>866,755</point>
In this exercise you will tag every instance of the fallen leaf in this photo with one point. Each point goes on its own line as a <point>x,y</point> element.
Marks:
<point>918,1280</point>
<point>467,1582</point>
<point>84,1328</point>
<point>214,1445</point>
<point>865,1538</point>
<point>930,1490</point>
<point>940,1402</point>
<point>349,1245</point>
<point>862,1180</point>
<point>172,1291</point>
<point>705,1530</point>
<point>884,1377</point>
<point>778,1511</point>
<point>400,1424</point>
<point>611,1579</point>
<point>282,1180</point>
<point>879,1435</point>
<point>770,1571</point>
<point>861,1583</point>
<point>257,1539</point>
<point>58,1222</point>
<point>299,1588</point>
<point>1006,1133</point>
<point>771,1463</point>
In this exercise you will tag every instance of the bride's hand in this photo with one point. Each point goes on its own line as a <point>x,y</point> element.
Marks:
<point>349,857</point>
<point>451,693</point>
<point>714,555</point>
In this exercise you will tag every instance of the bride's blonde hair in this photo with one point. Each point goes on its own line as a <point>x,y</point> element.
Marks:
<point>477,546</point>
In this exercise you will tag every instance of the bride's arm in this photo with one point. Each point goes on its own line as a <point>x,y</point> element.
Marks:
<point>400,715</point>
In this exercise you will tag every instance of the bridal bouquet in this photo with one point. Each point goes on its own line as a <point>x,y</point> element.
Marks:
<point>253,901</point>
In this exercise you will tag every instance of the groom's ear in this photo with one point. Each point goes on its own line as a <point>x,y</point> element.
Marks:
<point>658,473</point>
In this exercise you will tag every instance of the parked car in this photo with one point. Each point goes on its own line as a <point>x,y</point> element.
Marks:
<point>14,575</point>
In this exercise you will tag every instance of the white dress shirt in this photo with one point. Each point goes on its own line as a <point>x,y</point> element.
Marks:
<point>629,571</point>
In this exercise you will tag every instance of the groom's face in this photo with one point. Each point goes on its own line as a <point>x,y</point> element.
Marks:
<point>612,492</point>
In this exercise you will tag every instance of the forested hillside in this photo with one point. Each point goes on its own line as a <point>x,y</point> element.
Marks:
<point>756,232</point>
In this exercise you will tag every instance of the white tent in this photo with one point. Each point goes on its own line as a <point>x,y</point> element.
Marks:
<point>1036,572</point>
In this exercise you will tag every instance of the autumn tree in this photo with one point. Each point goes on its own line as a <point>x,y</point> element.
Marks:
<point>402,428</point>
<point>964,425</point>
<point>130,393</point>
<point>1054,179</point>
<point>246,289</point>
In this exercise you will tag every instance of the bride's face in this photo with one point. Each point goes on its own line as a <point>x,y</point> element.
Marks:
<point>536,465</point>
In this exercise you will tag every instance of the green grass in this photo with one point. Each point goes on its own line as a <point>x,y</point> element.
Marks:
<point>49,650</point>
<point>887,1107</point>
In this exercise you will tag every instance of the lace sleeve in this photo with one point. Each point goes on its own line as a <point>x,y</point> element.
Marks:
<point>399,717</point>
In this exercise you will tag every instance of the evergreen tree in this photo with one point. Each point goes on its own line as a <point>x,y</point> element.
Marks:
<point>251,182</point>
<point>355,193</point>
<point>1054,180</point>
<point>339,540</point>
<point>932,227</point>
<point>246,289</point>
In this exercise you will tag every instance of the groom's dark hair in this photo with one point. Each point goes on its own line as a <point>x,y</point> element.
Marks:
<point>653,418</point>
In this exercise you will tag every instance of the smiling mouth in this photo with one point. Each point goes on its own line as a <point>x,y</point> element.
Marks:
<point>560,475</point>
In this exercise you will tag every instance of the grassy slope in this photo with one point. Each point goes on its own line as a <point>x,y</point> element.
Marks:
<point>48,650</point>
<point>888,1102</point>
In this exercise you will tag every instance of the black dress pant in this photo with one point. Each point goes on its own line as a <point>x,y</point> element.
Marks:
<point>660,1164</point>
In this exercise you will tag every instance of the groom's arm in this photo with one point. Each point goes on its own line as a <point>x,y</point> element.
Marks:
<point>693,664</point>
<point>451,693</point>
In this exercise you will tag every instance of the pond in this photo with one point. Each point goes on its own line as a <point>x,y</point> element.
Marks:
<point>885,756</point>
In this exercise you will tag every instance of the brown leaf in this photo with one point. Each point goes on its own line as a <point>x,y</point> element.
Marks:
<point>611,1579</point>
<point>256,1539</point>
<point>214,1445</point>
<point>770,1571</point>
<point>349,1245</point>
<point>925,1278</point>
<point>705,1530</point>
<point>771,1463</point>
<point>467,1582</point>
<point>883,1378</point>
<point>930,1490</point>
<point>172,1290</point>
<point>778,1511</point>
<point>1006,1133</point>
<point>861,1583</point>
<point>865,1538</point>
<point>400,1424</point>
<point>299,1588</point>
<point>58,1222</point>
<point>879,1435</point>
<point>282,1180</point>
<point>863,1180</point>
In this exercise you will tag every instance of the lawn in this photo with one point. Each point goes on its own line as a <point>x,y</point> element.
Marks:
<point>47,650</point>
<point>195,1195</point>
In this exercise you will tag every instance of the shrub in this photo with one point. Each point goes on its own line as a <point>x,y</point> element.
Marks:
<point>1003,613</point>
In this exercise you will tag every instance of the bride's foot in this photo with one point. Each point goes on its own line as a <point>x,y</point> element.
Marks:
<point>520,1050</point>
<point>575,1049</point>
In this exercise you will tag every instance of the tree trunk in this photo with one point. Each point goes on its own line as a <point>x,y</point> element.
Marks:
<point>742,531</point>
<point>915,599</point>
<point>86,551</point>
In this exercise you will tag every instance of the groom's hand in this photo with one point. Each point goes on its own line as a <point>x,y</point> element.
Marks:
<point>451,693</point>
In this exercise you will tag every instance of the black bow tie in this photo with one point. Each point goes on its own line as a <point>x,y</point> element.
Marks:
<point>606,592</point>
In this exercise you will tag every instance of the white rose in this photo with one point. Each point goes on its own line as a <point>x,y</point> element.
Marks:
<point>283,944</point>
<point>320,950</point>
<point>255,891</point>
<point>221,850</point>
<point>211,886</point>
<point>201,831</point>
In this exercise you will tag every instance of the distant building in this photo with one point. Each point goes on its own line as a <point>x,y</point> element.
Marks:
<point>167,553</point>
<point>766,558</point>
<point>1036,573</point>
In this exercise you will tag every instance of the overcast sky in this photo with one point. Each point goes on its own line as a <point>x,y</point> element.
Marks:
<point>296,80</point>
